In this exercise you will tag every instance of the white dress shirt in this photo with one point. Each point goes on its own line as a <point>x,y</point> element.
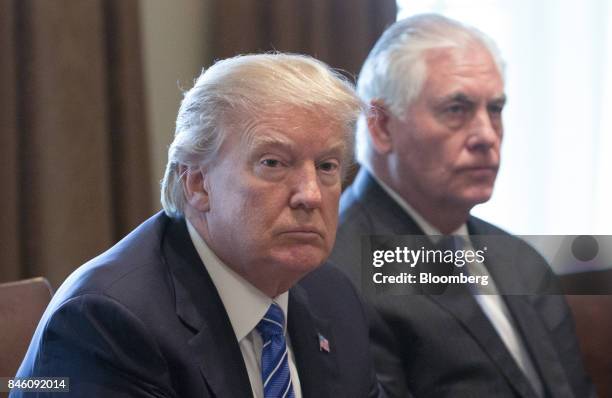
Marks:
<point>245,305</point>
<point>490,302</point>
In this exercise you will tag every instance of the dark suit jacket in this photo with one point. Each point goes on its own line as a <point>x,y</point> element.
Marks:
<point>444,345</point>
<point>145,320</point>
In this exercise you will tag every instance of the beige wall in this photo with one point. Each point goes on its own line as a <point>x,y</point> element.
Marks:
<point>175,48</point>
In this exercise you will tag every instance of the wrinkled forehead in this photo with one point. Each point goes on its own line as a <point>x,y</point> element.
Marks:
<point>471,70</point>
<point>473,52</point>
<point>291,127</point>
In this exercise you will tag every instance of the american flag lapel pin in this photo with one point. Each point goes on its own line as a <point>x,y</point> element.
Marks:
<point>323,343</point>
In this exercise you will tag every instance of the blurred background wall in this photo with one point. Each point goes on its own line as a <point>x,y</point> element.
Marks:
<point>90,91</point>
<point>176,46</point>
<point>75,142</point>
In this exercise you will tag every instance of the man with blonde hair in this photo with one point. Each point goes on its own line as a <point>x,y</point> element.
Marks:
<point>225,293</point>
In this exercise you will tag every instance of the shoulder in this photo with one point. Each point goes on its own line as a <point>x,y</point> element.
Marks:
<point>353,212</point>
<point>354,220</point>
<point>116,288</point>
<point>362,203</point>
<point>109,311</point>
<point>95,338</point>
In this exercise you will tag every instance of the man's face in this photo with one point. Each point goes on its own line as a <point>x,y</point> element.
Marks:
<point>447,146</point>
<point>274,194</point>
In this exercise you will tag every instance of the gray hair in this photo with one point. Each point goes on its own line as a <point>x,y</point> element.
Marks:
<point>395,70</point>
<point>235,92</point>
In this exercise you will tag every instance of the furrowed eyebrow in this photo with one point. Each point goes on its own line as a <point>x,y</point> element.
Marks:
<point>466,99</point>
<point>457,97</point>
<point>266,140</point>
<point>336,149</point>
<point>500,101</point>
<point>460,97</point>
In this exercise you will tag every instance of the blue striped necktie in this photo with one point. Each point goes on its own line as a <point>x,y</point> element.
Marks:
<point>274,357</point>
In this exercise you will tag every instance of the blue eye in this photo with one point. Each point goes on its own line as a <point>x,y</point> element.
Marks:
<point>455,109</point>
<point>271,162</point>
<point>328,166</point>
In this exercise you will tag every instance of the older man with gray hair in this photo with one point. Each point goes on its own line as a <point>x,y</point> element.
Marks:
<point>223,294</point>
<point>429,147</point>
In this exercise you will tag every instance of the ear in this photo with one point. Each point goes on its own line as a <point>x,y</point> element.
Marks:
<point>195,187</point>
<point>378,125</point>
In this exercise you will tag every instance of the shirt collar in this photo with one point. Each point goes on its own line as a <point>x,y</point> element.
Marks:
<point>244,303</point>
<point>427,228</point>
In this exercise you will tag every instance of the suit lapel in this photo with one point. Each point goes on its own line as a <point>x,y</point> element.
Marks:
<point>317,368</point>
<point>199,306</point>
<point>500,263</point>
<point>538,342</point>
<point>460,303</point>
<point>391,219</point>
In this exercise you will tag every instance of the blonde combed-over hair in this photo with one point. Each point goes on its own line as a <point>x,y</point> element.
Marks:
<point>235,92</point>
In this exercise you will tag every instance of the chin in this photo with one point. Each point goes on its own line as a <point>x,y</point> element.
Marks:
<point>477,200</point>
<point>301,260</point>
<point>477,196</point>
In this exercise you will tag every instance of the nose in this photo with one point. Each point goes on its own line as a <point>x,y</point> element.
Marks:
<point>485,132</point>
<point>306,191</point>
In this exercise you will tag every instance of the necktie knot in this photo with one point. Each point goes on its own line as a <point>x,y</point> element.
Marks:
<point>273,322</point>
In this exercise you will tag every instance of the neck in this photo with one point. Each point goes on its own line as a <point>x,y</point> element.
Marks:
<point>443,218</point>
<point>444,215</point>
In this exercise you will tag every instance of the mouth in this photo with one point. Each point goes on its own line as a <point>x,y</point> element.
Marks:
<point>481,171</point>
<point>303,233</point>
